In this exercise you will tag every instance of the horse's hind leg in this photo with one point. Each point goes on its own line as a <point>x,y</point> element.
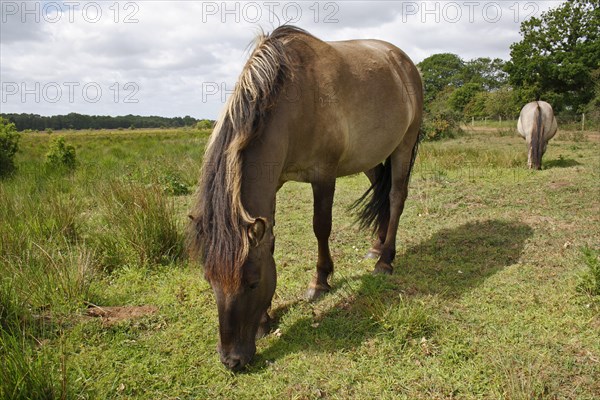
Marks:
<point>401,166</point>
<point>323,201</point>
<point>375,250</point>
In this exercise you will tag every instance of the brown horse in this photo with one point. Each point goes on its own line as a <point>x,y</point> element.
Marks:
<point>310,111</point>
<point>537,125</point>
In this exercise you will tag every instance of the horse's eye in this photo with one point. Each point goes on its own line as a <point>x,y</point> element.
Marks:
<point>253,285</point>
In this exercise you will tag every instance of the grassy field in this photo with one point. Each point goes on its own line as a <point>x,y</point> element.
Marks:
<point>493,296</point>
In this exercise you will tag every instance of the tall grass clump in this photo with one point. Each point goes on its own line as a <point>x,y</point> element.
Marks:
<point>138,226</point>
<point>45,274</point>
<point>46,216</point>
<point>24,369</point>
<point>590,279</point>
<point>54,280</point>
<point>13,313</point>
<point>42,252</point>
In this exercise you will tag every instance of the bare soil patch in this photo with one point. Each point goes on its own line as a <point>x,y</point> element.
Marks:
<point>113,315</point>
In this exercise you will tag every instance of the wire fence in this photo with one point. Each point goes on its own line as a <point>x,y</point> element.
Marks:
<point>571,122</point>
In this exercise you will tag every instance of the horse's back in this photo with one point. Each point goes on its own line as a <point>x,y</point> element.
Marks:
<point>359,98</point>
<point>383,97</point>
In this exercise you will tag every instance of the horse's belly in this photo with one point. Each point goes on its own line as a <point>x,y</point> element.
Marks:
<point>367,147</point>
<point>355,163</point>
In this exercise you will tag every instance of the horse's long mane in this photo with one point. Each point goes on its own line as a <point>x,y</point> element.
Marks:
<point>217,234</point>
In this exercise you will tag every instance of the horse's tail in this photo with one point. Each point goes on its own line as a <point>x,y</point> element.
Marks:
<point>374,204</point>
<point>537,140</point>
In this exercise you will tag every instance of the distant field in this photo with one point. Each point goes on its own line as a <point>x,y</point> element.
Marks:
<point>485,301</point>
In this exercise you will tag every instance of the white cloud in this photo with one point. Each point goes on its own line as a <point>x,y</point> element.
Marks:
<point>173,51</point>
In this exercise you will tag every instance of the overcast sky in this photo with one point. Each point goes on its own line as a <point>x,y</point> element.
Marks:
<point>177,58</point>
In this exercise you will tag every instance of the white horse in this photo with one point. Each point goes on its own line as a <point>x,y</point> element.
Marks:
<point>537,126</point>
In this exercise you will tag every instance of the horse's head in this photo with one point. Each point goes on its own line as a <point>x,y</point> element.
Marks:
<point>243,309</point>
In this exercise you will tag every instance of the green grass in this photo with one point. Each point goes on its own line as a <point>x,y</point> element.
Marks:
<point>590,279</point>
<point>490,297</point>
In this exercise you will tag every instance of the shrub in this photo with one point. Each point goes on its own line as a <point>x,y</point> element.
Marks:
<point>440,125</point>
<point>440,121</point>
<point>204,124</point>
<point>173,185</point>
<point>61,155</point>
<point>9,145</point>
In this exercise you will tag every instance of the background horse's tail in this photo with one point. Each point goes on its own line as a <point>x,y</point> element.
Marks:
<point>374,204</point>
<point>537,140</point>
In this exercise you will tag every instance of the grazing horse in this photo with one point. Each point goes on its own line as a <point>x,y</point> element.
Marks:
<point>537,126</point>
<point>309,111</point>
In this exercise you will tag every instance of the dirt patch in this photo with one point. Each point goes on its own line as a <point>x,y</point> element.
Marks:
<point>559,184</point>
<point>113,315</point>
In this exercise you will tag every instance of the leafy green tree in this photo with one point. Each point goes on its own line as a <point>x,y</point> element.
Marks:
<point>593,108</point>
<point>487,72</point>
<point>9,145</point>
<point>441,121</point>
<point>477,106</point>
<point>440,71</point>
<point>555,59</point>
<point>462,96</point>
<point>505,103</point>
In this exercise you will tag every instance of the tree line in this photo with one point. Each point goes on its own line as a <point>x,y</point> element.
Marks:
<point>77,121</point>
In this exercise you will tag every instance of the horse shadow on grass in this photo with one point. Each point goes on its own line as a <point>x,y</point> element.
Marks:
<point>448,264</point>
<point>560,162</point>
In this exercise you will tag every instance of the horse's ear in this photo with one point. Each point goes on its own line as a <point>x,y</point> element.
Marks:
<point>257,231</point>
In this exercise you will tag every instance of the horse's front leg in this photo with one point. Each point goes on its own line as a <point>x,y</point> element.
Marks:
<point>323,202</point>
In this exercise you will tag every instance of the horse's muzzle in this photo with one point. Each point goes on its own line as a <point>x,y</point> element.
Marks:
<point>236,358</point>
<point>234,362</point>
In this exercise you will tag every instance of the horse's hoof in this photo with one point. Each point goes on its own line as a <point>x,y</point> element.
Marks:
<point>372,254</point>
<point>382,268</point>
<point>316,291</point>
